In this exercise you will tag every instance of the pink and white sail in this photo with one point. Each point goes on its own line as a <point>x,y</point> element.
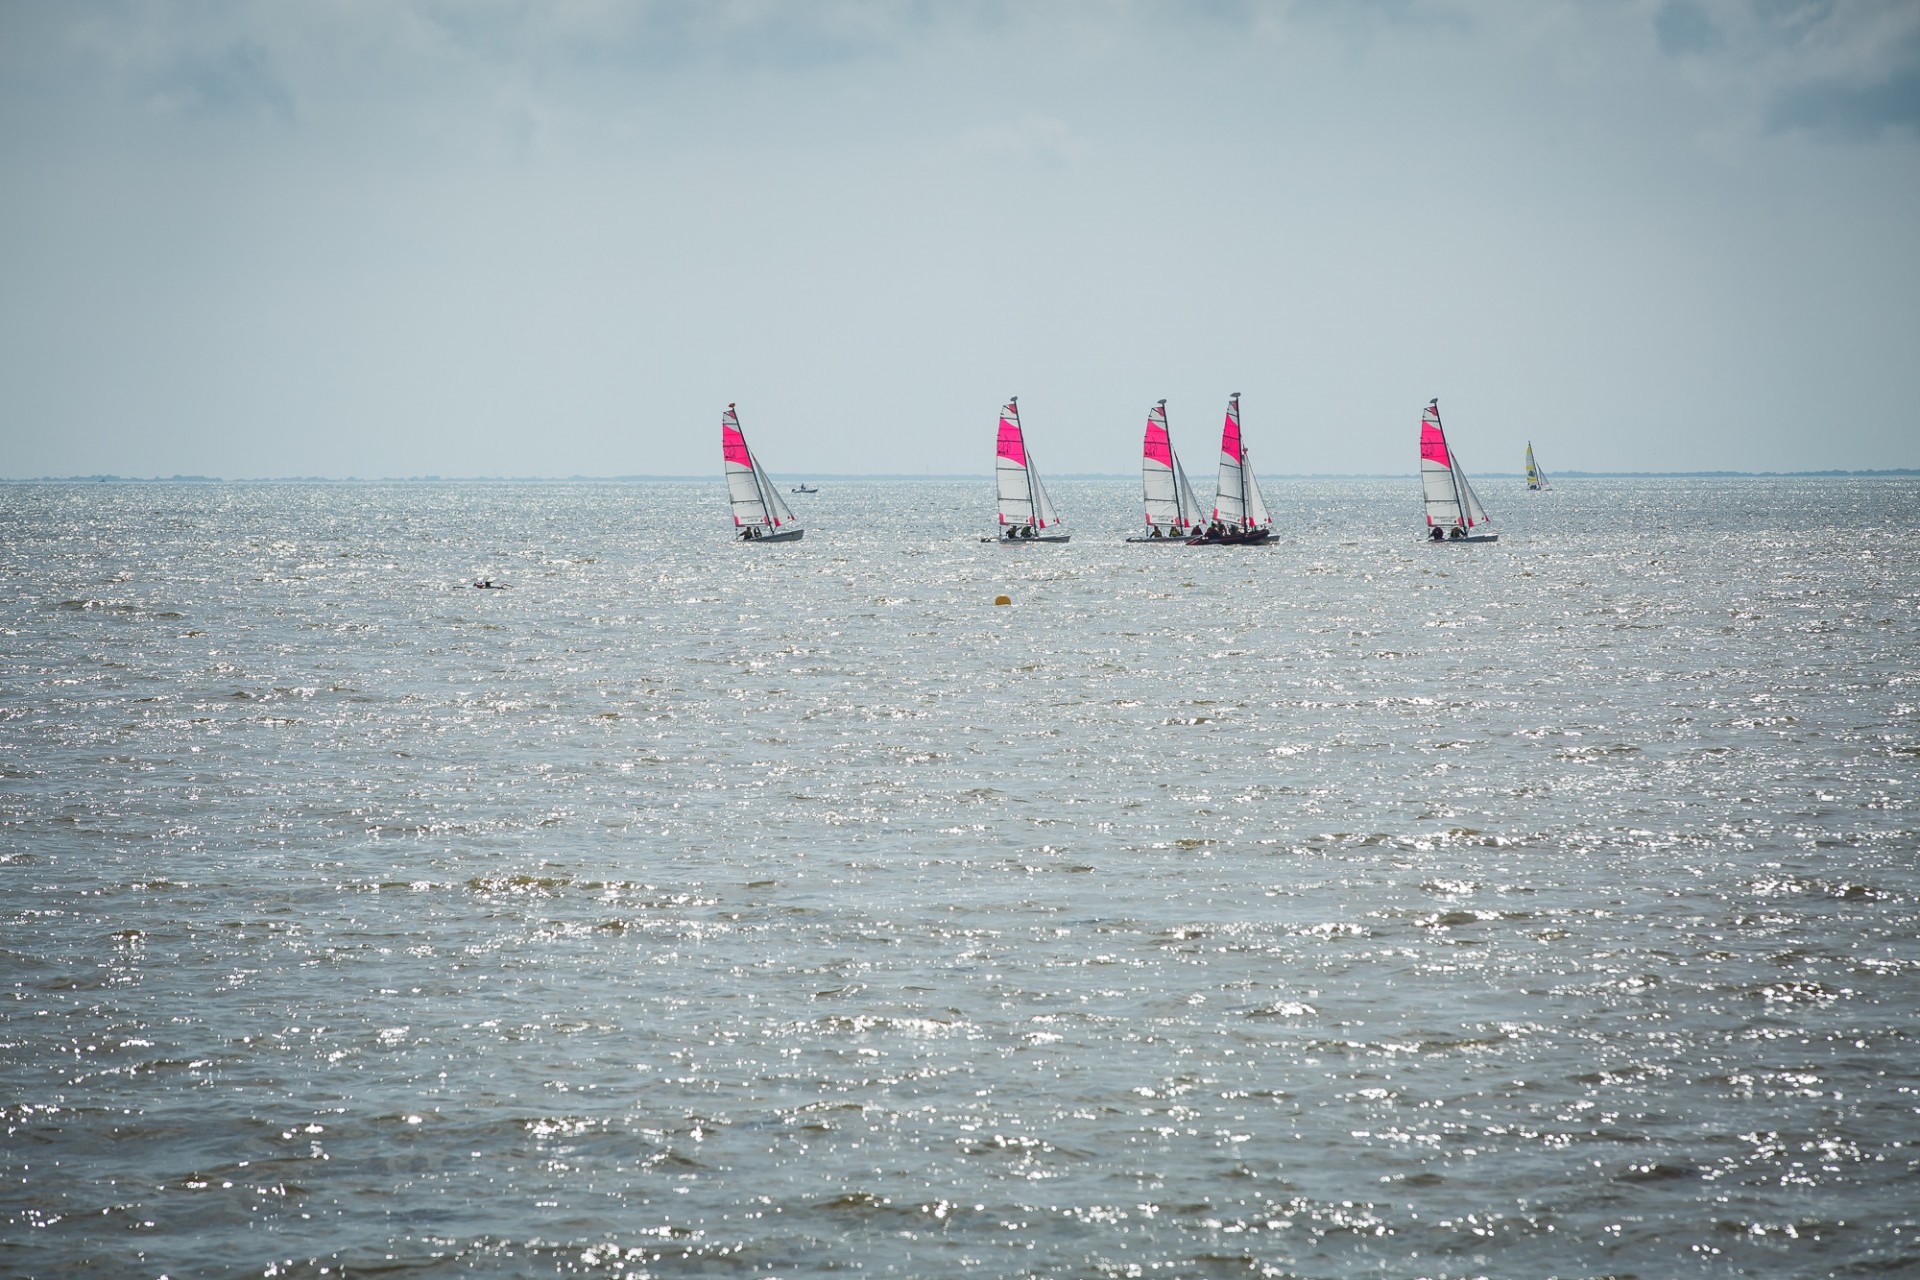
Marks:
<point>1172,509</point>
<point>1023,499</point>
<point>1451,501</point>
<point>1238,502</point>
<point>756,503</point>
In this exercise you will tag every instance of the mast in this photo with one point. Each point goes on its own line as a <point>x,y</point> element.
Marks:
<point>1246,504</point>
<point>1246,498</point>
<point>1453,465</point>
<point>759,479</point>
<point>1186,508</point>
<point>1033,506</point>
<point>1453,471</point>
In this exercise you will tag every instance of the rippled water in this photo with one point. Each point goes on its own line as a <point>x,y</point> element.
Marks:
<point>1345,907</point>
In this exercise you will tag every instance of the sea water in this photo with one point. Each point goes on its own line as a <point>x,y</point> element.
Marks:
<point>1348,906</point>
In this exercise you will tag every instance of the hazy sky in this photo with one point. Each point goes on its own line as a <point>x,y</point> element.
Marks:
<point>382,238</point>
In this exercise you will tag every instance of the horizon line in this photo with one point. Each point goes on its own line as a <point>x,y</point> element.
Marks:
<point>109,478</point>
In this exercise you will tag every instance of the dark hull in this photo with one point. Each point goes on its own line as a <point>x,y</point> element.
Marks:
<point>1258,538</point>
<point>785,535</point>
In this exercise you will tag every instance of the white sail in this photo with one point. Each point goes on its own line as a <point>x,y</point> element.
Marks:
<point>1191,512</point>
<point>1256,502</point>
<point>782,514</point>
<point>1469,500</point>
<point>1044,516</point>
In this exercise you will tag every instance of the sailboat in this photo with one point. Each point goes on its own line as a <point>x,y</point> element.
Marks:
<point>1454,513</point>
<point>759,513</point>
<point>1239,511</point>
<point>1536,478</point>
<point>1173,513</point>
<point>1026,513</point>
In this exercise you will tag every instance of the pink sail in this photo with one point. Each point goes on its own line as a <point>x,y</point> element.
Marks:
<point>1230,433</point>
<point>1158,447</point>
<point>733,445</point>
<point>1013,447</point>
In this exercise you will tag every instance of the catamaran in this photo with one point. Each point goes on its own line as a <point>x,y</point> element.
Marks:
<point>1173,513</point>
<point>1454,513</point>
<point>1026,514</point>
<point>1536,478</point>
<point>1239,512</point>
<point>759,513</point>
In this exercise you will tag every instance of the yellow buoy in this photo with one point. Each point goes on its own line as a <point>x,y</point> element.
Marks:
<point>1003,599</point>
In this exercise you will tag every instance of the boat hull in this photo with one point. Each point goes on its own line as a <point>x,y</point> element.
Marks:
<point>1027,542</point>
<point>785,535</point>
<point>1259,538</point>
<point>1454,542</point>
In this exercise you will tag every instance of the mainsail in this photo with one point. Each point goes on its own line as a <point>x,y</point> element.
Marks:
<point>1023,499</point>
<point>756,503</point>
<point>1451,501</point>
<point>1171,507</point>
<point>1536,478</point>
<point>1237,502</point>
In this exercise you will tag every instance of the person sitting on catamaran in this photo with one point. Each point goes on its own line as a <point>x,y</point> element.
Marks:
<point>1437,535</point>
<point>1458,532</point>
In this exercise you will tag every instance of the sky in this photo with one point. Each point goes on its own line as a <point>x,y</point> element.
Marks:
<point>492,238</point>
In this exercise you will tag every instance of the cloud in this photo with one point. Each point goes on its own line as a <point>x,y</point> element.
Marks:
<point>1854,108</point>
<point>1684,28</point>
<point>238,80</point>
<point>1833,70</point>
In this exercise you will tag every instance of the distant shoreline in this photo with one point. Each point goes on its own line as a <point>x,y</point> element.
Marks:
<point>943,477</point>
